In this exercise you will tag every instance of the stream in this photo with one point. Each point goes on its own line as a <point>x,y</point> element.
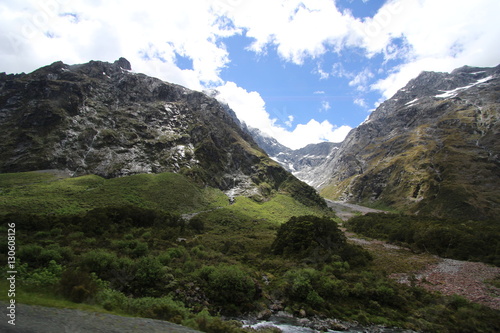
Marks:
<point>289,324</point>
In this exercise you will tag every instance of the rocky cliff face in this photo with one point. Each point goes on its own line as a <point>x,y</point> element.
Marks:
<point>433,148</point>
<point>305,163</point>
<point>101,118</point>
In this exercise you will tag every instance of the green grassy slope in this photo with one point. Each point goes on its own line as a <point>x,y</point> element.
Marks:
<point>44,192</point>
<point>120,245</point>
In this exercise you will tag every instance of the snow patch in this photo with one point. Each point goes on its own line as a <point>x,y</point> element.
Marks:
<point>410,103</point>
<point>455,92</point>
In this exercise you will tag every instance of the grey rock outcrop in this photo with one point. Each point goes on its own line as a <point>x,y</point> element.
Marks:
<point>102,118</point>
<point>433,148</point>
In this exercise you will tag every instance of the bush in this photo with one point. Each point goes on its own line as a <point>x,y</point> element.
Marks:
<point>45,276</point>
<point>318,240</point>
<point>230,285</point>
<point>300,285</point>
<point>112,300</point>
<point>78,286</point>
<point>150,278</point>
<point>463,240</point>
<point>305,236</point>
<point>101,262</point>
<point>158,308</point>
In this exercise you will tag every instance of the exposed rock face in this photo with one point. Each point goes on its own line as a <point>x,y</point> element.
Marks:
<point>432,148</point>
<point>305,163</point>
<point>101,118</point>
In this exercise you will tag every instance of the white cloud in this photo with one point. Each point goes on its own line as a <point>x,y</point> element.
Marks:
<point>149,36</point>
<point>360,81</point>
<point>250,108</point>
<point>422,34</point>
<point>338,70</point>
<point>438,36</point>
<point>325,106</point>
<point>298,28</point>
<point>361,102</point>
<point>312,132</point>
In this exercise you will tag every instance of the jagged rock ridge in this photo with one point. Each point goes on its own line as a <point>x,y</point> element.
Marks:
<point>102,118</point>
<point>433,148</point>
<point>305,163</point>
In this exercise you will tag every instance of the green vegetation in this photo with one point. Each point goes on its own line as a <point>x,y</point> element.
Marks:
<point>130,251</point>
<point>37,192</point>
<point>463,240</point>
<point>317,240</point>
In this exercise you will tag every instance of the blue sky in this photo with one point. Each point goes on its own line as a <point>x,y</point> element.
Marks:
<point>302,71</point>
<point>289,89</point>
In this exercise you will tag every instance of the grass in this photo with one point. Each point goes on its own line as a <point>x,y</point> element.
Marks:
<point>239,235</point>
<point>49,298</point>
<point>35,192</point>
<point>392,260</point>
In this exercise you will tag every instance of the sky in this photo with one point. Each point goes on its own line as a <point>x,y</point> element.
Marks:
<point>302,71</point>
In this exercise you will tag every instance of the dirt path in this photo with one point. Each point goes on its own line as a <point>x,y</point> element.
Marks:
<point>39,319</point>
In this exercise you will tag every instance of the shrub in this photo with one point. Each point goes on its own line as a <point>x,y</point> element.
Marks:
<point>318,240</point>
<point>196,224</point>
<point>306,236</point>
<point>112,300</point>
<point>30,254</point>
<point>206,323</point>
<point>230,285</point>
<point>158,308</point>
<point>150,278</point>
<point>78,286</point>
<point>100,262</point>
<point>44,276</point>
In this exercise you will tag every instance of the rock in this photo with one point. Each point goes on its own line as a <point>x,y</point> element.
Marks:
<point>302,313</point>
<point>264,315</point>
<point>100,118</point>
<point>276,306</point>
<point>123,63</point>
<point>431,149</point>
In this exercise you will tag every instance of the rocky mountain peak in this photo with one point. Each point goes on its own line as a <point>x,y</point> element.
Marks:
<point>432,148</point>
<point>123,63</point>
<point>429,86</point>
<point>101,118</point>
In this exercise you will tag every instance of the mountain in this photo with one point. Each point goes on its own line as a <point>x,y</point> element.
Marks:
<point>101,118</point>
<point>433,148</point>
<point>305,163</point>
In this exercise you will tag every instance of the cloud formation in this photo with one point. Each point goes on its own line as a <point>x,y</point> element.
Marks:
<point>250,109</point>
<point>421,34</point>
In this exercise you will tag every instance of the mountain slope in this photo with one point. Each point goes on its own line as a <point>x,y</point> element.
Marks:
<point>305,163</point>
<point>101,118</point>
<point>433,148</point>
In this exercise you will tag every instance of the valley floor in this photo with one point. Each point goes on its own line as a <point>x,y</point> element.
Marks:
<point>346,210</point>
<point>471,280</point>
